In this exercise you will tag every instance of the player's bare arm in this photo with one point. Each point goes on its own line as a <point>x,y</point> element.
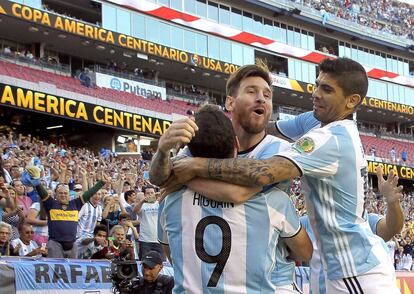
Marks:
<point>393,222</point>
<point>247,172</point>
<point>300,246</point>
<point>177,135</point>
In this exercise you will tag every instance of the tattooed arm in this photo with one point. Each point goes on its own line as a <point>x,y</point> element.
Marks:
<point>246,172</point>
<point>178,134</point>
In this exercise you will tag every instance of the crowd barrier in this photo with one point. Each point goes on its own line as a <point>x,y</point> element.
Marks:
<point>56,276</point>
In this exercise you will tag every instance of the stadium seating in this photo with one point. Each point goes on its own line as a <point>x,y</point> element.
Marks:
<point>383,146</point>
<point>73,85</point>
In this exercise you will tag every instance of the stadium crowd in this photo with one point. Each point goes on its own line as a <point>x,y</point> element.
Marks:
<point>394,17</point>
<point>101,196</point>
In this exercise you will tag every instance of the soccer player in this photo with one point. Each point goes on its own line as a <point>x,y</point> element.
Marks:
<point>249,100</point>
<point>331,161</point>
<point>214,245</point>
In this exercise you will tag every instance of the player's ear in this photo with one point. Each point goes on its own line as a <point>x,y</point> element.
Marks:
<point>229,103</point>
<point>353,101</point>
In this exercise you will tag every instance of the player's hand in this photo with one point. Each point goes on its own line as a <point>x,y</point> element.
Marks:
<point>388,188</point>
<point>183,170</point>
<point>179,133</point>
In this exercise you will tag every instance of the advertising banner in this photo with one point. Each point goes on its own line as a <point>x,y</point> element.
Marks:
<point>130,86</point>
<point>37,101</point>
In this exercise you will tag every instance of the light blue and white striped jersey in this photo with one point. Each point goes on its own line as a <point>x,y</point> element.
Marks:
<point>219,247</point>
<point>297,127</point>
<point>266,148</point>
<point>284,271</point>
<point>317,273</point>
<point>88,217</point>
<point>334,179</point>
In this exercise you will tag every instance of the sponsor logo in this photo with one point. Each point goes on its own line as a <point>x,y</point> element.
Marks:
<point>116,84</point>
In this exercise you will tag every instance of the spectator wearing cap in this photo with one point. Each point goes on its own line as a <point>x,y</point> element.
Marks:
<point>147,210</point>
<point>154,282</point>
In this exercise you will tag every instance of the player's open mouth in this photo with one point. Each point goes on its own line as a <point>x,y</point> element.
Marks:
<point>259,111</point>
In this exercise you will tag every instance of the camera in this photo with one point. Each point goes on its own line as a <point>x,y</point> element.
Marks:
<point>125,276</point>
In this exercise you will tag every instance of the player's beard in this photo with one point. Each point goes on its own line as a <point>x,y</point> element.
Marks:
<point>252,127</point>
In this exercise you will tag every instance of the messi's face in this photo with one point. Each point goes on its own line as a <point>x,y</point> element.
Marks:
<point>251,106</point>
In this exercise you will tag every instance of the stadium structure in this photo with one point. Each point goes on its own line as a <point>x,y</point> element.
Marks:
<point>112,73</point>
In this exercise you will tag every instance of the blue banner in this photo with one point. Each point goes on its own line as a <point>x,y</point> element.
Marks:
<point>54,274</point>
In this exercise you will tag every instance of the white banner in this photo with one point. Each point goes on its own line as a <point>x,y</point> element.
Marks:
<point>134,87</point>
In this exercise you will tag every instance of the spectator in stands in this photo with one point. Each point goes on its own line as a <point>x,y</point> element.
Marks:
<point>38,219</point>
<point>15,172</point>
<point>89,216</point>
<point>393,155</point>
<point>404,155</point>
<point>25,246</point>
<point>118,246</point>
<point>89,246</point>
<point>325,17</point>
<point>147,210</point>
<point>111,211</point>
<point>130,231</point>
<point>63,217</point>
<point>85,78</point>
<point>13,215</point>
<point>4,173</point>
<point>7,51</point>
<point>5,234</point>
<point>23,201</point>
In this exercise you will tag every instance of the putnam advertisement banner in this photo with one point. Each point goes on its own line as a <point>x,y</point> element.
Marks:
<point>403,172</point>
<point>59,276</point>
<point>26,99</point>
<point>86,30</point>
<point>130,86</point>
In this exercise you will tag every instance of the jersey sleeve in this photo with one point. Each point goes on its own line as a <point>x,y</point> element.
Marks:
<point>316,154</point>
<point>185,152</point>
<point>373,220</point>
<point>162,234</point>
<point>283,216</point>
<point>297,127</point>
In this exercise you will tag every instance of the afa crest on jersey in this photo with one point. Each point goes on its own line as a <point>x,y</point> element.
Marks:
<point>304,145</point>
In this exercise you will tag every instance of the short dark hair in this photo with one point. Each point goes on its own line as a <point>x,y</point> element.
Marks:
<point>124,215</point>
<point>128,193</point>
<point>215,137</point>
<point>99,228</point>
<point>144,189</point>
<point>349,75</point>
<point>250,70</point>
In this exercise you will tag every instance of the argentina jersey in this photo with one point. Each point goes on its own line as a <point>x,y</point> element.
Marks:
<point>317,272</point>
<point>220,247</point>
<point>266,148</point>
<point>298,126</point>
<point>284,271</point>
<point>334,179</point>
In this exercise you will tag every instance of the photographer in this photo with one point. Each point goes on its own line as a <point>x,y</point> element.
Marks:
<point>153,281</point>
